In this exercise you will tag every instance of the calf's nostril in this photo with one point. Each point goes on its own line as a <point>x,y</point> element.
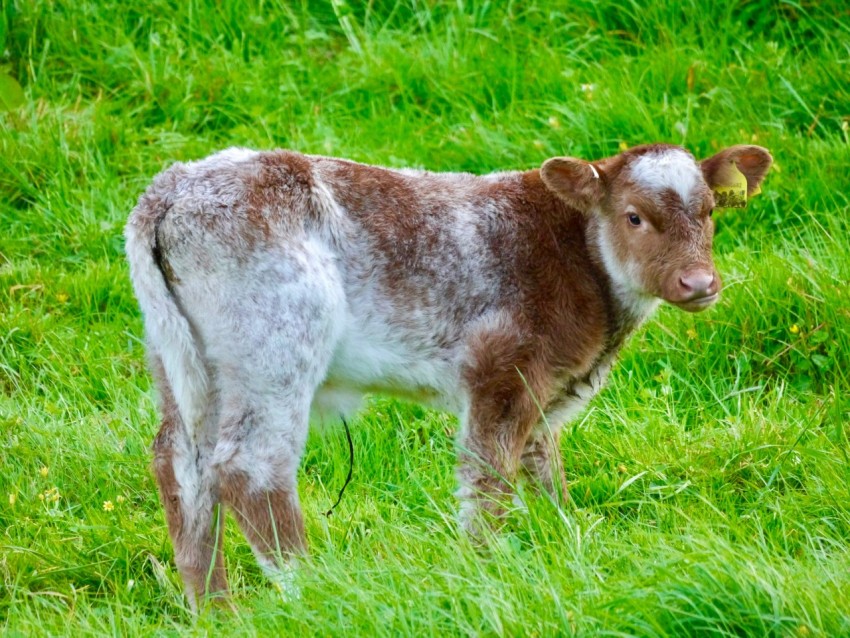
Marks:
<point>697,283</point>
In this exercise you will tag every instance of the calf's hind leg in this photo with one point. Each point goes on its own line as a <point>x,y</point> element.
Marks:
<point>188,488</point>
<point>257,460</point>
<point>281,330</point>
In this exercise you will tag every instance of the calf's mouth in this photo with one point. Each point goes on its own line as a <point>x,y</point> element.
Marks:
<point>697,304</point>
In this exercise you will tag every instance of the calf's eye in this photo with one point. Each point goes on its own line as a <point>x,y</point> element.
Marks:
<point>634,220</point>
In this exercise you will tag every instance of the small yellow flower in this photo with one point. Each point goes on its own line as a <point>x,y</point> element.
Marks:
<point>62,297</point>
<point>120,498</point>
<point>692,334</point>
<point>108,506</point>
<point>41,497</point>
<point>12,499</point>
<point>623,146</point>
<point>795,329</point>
<point>44,471</point>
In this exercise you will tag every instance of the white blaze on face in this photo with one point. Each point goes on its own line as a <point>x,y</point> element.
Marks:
<point>669,169</point>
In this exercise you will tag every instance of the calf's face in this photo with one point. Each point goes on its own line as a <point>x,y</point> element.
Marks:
<point>652,207</point>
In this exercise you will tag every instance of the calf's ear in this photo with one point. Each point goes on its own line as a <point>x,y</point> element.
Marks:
<point>579,183</point>
<point>732,166</point>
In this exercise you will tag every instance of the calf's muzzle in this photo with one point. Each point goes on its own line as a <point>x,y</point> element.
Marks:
<point>696,289</point>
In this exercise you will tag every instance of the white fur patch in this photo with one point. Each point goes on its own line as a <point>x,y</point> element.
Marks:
<point>627,287</point>
<point>672,168</point>
<point>234,154</point>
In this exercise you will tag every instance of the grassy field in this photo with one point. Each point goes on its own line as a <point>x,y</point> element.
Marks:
<point>710,480</point>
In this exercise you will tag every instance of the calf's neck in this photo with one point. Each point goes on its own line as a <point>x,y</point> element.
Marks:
<point>278,288</point>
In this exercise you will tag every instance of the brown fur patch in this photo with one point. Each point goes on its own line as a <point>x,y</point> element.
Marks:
<point>278,192</point>
<point>270,519</point>
<point>565,292</point>
<point>401,223</point>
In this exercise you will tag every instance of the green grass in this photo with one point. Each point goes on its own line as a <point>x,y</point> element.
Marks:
<point>709,480</point>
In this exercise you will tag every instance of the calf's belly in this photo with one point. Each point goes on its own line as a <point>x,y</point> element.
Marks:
<point>363,363</point>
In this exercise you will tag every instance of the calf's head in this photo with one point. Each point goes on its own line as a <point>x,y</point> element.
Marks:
<point>651,207</point>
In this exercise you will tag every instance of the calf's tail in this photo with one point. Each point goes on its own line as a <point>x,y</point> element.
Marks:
<point>169,333</point>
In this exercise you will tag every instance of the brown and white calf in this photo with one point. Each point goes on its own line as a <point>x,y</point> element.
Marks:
<point>279,288</point>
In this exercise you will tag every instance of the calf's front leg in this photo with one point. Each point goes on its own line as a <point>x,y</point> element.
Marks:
<point>503,380</point>
<point>488,458</point>
<point>542,462</point>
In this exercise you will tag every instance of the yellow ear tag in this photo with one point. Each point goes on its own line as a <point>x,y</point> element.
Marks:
<point>731,188</point>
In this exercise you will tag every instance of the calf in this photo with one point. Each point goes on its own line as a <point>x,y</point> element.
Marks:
<point>279,288</point>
